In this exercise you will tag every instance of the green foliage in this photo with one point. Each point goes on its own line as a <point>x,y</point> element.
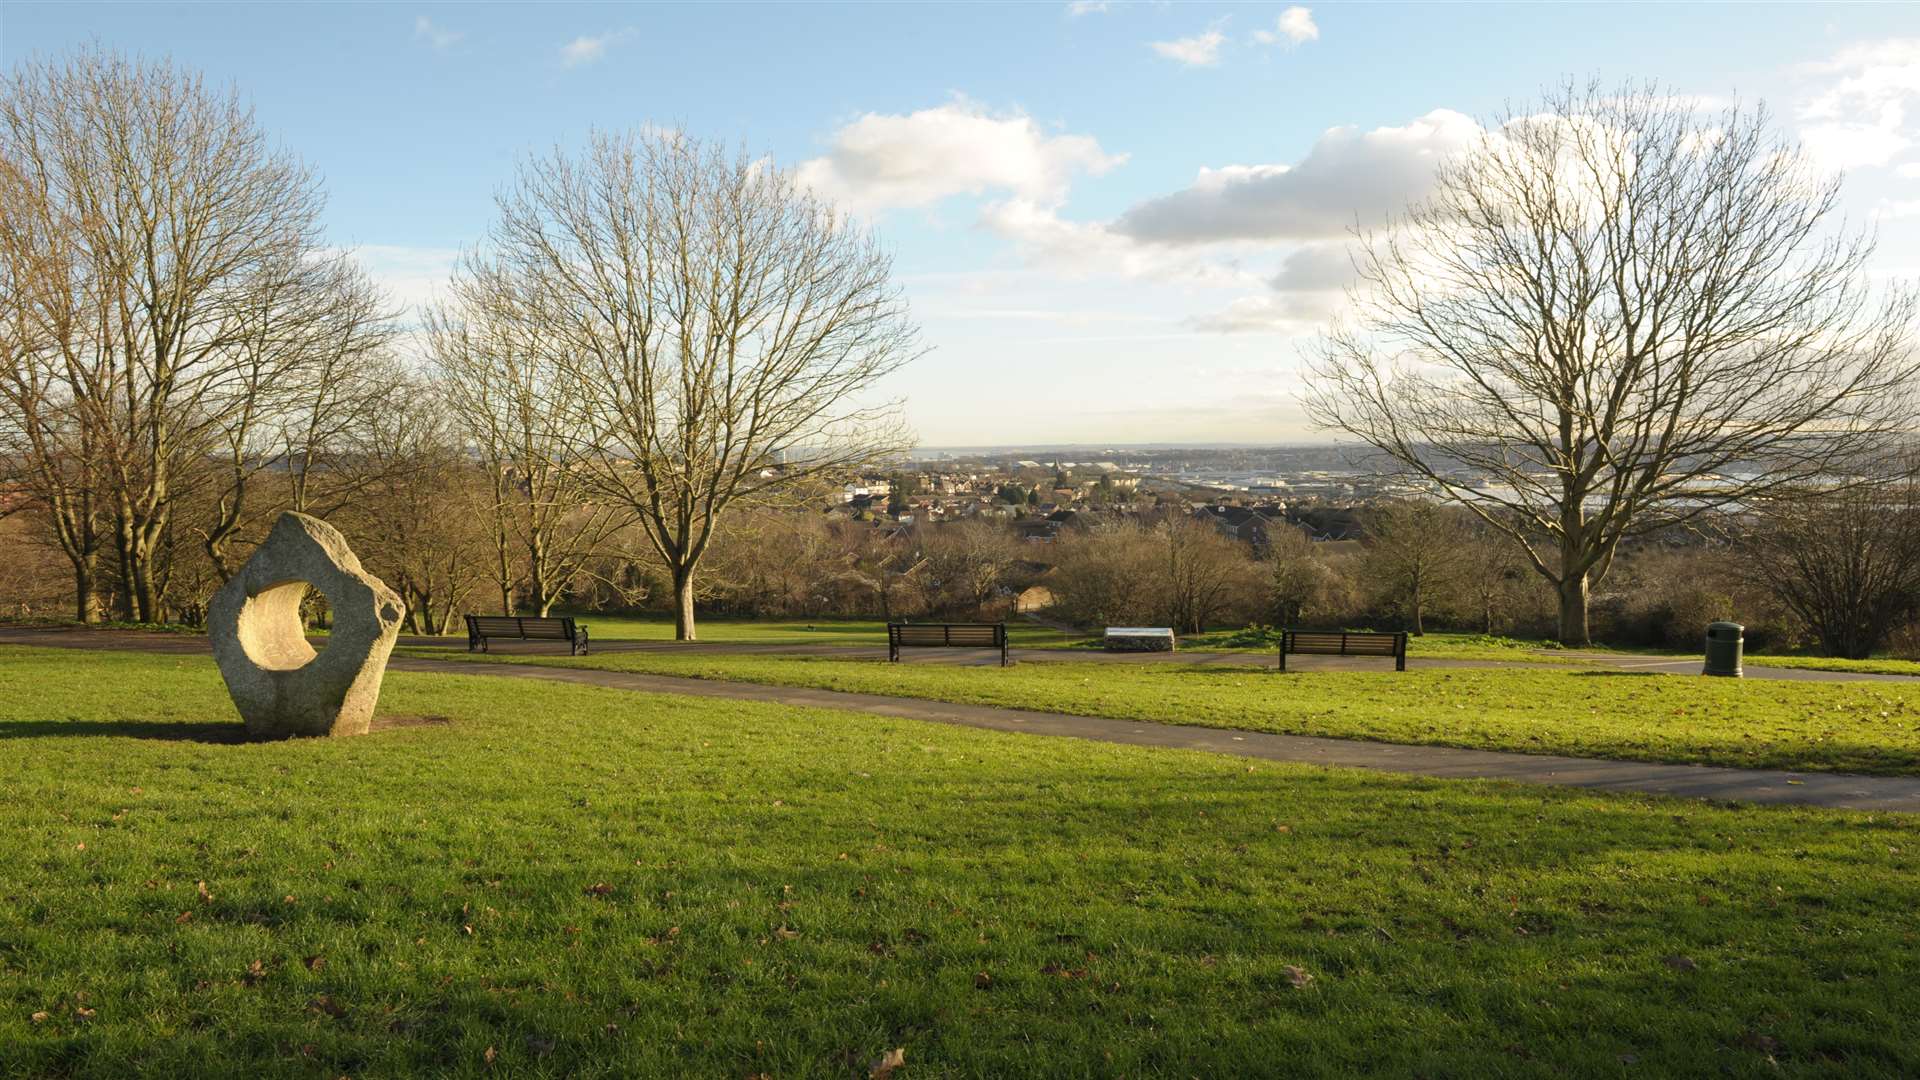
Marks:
<point>562,880</point>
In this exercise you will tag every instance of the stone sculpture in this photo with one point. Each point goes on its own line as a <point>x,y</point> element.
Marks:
<point>281,686</point>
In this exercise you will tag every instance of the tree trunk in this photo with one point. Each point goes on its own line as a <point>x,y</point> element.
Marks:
<point>1573,610</point>
<point>683,629</point>
<point>86,604</point>
<point>1419,625</point>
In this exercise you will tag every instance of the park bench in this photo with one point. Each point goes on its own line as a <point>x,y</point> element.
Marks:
<point>518,628</point>
<point>946,636</point>
<point>1344,643</point>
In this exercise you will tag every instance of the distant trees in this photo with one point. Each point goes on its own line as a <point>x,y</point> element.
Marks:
<point>509,399</point>
<point>1846,560</point>
<point>1612,316</point>
<point>722,331</point>
<point>1205,575</point>
<point>1176,570</point>
<point>1416,551</point>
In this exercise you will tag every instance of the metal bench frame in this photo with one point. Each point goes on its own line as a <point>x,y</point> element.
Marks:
<point>946,636</point>
<point>526,628</point>
<point>1344,643</point>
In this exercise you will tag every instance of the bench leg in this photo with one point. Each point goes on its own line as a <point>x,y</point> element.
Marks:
<point>1283,658</point>
<point>893,654</point>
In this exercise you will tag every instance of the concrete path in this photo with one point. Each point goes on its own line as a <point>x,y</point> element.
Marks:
<point>1829,790</point>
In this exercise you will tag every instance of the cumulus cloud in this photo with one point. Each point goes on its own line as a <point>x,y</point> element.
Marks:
<point>586,49</point>
<point>1866,110</point>
<point>1294,27</point>
<point>1200,50</point>
<point>437,36</point>
<point>883,161</point>
<point>1078,8</point>
<point>1347,174</point>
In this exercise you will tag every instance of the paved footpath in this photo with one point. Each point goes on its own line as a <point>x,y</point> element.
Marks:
<point>1819,789</point>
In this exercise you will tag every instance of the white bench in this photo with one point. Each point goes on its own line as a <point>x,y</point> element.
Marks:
<point>1140,639</point>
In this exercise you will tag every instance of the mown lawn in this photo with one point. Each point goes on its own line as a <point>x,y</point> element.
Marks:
<point>1843,727</point>
<point>554,880</point>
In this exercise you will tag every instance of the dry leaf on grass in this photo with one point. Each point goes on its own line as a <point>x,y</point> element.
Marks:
<point>884,1066</point>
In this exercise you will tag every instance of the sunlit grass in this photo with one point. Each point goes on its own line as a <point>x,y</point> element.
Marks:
<point>562,881</point>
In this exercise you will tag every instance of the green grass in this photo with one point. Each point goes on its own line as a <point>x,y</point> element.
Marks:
<point>574,881</point>
<point>1845,727</point>
<point>1879,665</point>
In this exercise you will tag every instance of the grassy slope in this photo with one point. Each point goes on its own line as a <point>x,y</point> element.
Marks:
<point>1848,727</point>
<point>588,882</point>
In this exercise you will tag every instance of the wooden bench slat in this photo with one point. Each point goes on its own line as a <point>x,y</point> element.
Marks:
<point>481,628</point>
<point>1344,643</point>
<point>947,635</point>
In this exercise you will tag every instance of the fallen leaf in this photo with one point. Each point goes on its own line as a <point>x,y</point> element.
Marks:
<point>184,917</point>
<point>785,934</point>
<point>1298,977</point>
<point>883,1067</point>
<point>83,1012</point>
<point>315,962</point>
<point>982,980</point>
<point>205,896</point>
<point>490,1055</point>
<point>1681,963</point>
<point>40,1017</point>
<point>599,888</point>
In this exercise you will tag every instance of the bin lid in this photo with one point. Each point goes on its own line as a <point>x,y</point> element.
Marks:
<point>1726,628</point>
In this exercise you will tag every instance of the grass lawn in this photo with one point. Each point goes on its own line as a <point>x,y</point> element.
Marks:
<point>1844,727</point>
<point>555,880</point>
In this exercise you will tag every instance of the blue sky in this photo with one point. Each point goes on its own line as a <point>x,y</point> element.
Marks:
<point>1115,222</point>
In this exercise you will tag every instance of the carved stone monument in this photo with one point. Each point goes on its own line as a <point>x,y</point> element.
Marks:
<point>281,686</point>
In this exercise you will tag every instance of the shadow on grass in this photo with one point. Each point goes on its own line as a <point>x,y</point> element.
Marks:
<point>1617,674</point>
<point>224,733</point>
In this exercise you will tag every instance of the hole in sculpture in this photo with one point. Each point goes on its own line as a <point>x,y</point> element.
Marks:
<point>272,629</point>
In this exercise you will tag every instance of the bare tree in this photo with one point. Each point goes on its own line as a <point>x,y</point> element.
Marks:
<point>514,403</point>
<point>175,239</point>
<point>1204,574</point>
<point>721,331</point>
<point>1612,315</point>
<point>1415,552</point>
<point>54,390</point>
<point>1845,559</point>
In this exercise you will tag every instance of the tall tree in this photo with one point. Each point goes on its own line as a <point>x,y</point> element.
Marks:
<point>1612,315</point>
<point>178,241</point>
<point>724,330</point>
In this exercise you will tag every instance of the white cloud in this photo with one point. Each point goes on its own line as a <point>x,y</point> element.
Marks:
<point>1078,8</point>
<point>1897,208</point>
<point>1865,113</point>
<point>882,161</point>
<point>1347,175</point>
<point>437,36</point>
<point>1909,171</point>
<point>586,49</point>
<point>1200,50</point>
<point>1295,27</point>
<point>411,276</point>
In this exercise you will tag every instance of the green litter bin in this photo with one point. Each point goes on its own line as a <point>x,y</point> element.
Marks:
<point>1725,642</point>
